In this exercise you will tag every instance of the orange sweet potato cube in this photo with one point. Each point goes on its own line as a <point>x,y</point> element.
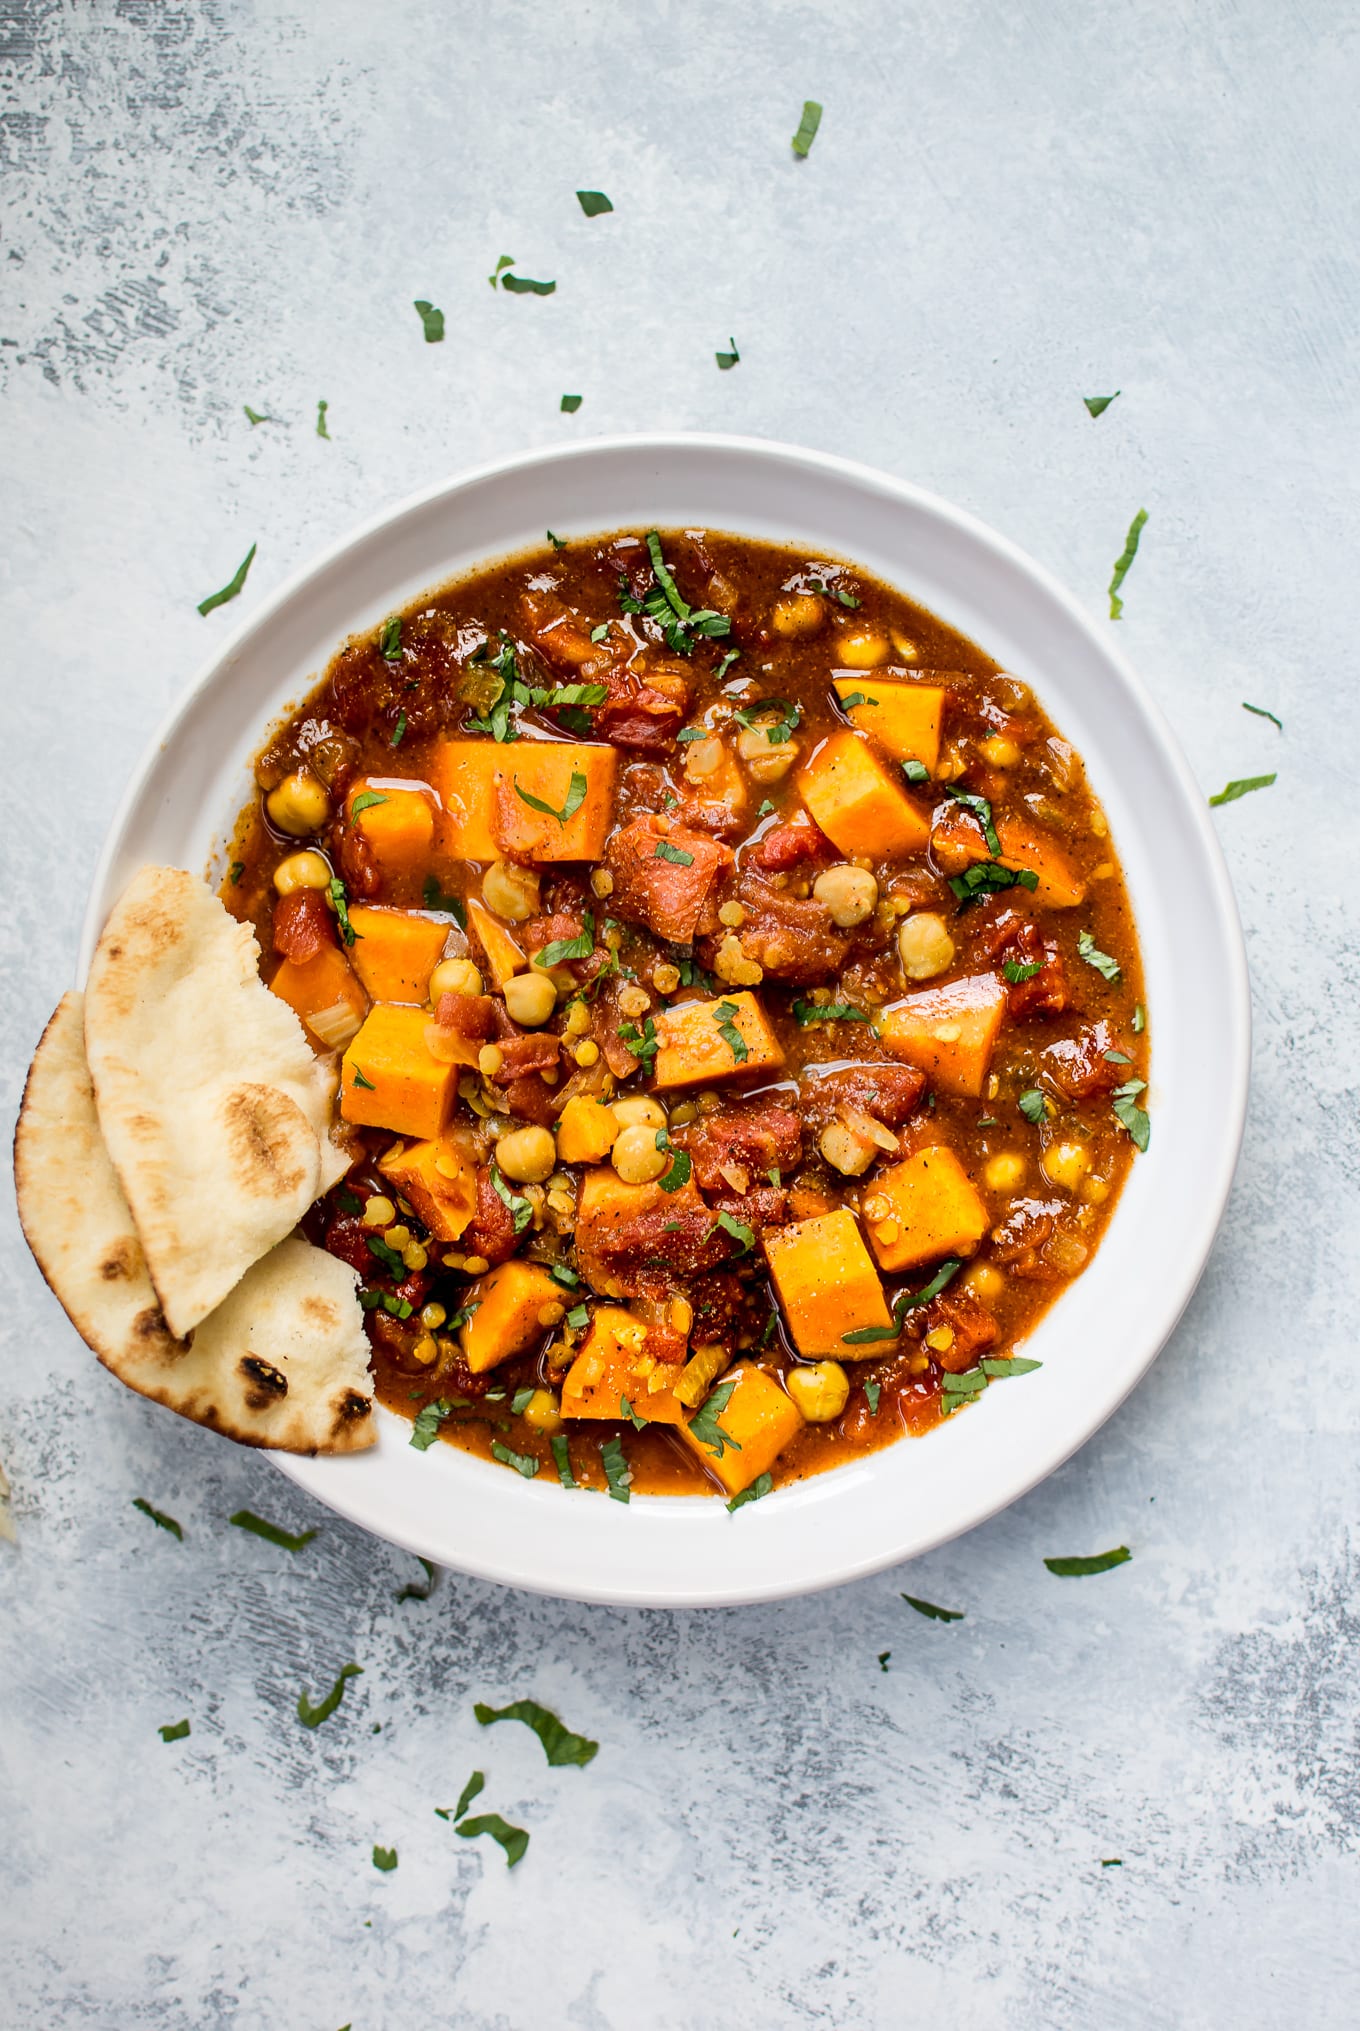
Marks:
<point>934,1209</point>
<point>693,1051</point>
<point>506,1321</point>
<point>757,1423</point>
<point>957,840</point>
<point>902,717</point>
<point>503,955</point>
<point>439,1179</point>
<point>398,827</point>
<point>323,986</point>
<point>856,801</point>
<point>949,1032</point>
<point>826,1282</point>
<point>614,1366</point>
<point>388,1078</point>
<point>396,951</point>
<point>486,787</point>
<point>586,1131</point>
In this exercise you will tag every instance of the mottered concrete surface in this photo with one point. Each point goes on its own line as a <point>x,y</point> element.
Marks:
<point>208,203</point>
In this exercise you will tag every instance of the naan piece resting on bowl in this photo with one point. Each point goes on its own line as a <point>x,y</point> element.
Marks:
<point>212,1105</point>
<point>282,1362</point>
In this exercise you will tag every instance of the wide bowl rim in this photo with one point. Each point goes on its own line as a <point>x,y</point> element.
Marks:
<point>1232,1041</point>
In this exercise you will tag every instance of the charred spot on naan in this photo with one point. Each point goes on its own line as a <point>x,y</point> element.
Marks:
<point>265,1384</point>
<point>123,1261</point>
<point>271,1146</point>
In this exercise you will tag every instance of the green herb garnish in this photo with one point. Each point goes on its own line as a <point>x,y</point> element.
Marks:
<point>1098,404</point>
<point>1129,1115</point>
<point>425,1430</point>
<point>836,592</point>
<point>576,796</point>
<point>399,729</point>
<point>1139,1019</point>
<point>253,416</point>
<point>807,127</point>
<point>512,1838</point>
<point>520,1209</point>
<point>639,1424</point>
<point>675,854</point>
<point>312,1717</point>
<point>435,900</point>
<point>558,542</point>
<point>762,1485</point>
<point>883,1657</point>
<point>1261,713</point>
<point>1102,1562</point>
<point>570,404</point>
<point>1033,1105</point>
<point>593,203</point>
<point>732,656</point>
<point>175,1732</point>
<point>386,1255</point>
<point>286,1540</point>
<point>335,889</point>
<point>432,321</point>
<point>724,1016</point>
<point>359,1080</point>
<point>931,1612</point>
<point>982,811</point>
<point>232,586</point>
<point>561,1452</point>
<point>726,361</point>
<point>238,868</point>
<point>389,641</point>
<point>807,1013</point>
<point>506,261</point>
<point>1241,786</point>
<point>561,949</point>
<point>915,772</point>
<point>643,1043</point>
<point>617,1471</point>
<point>520,285</point>
<point>681,1167</point>
<point>986,877</point>
<point>1017,971</point>
<point>680,622</point>
<point>1107,968</point>
<point>854,698</point>
<point>384,1858</point>
<point>321,429</point>
<point>1123,561</point>
<point>523,1463</point>
<point>872,1392</point>
<point>578,1318</point>
<point>365,802</point>
<point>704,1424</point>
<point>786,718</point>
<point>159,1518</point>
<point>412,1591</point>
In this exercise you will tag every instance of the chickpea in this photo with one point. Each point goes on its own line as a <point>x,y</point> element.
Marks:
<point>527,1155</point>
<point>703,758</point>
<point>379,1212</point>
<point>426,1349</point>
<point>636,1157</point>
<point>1000,752</point>
<point>541,1413</point>
<point>578,1019</point>
<point>299,805</point>
<point>490,1058</point>
<point>511,891</point>
<point>640,1108</point>
<point>766,761</point>
<point>1004,1173</point>
<point>849,893</point>
<point>454,976</point>
<point>845,1151</point>
<point>587,1054</point>
<point>820,1390</point>
<point>798,615</point>
<point>306,870</point>
<point>1065,1164</point>
<point>530,998</point>
<point>862,650</point>
<point>925,945</point>
<point>432,1316</point>
<point>984,1280</point>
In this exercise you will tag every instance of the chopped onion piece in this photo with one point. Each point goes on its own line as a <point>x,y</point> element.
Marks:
<point>335,1026</point>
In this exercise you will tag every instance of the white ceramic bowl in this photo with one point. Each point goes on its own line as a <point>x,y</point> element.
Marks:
<point>1106,1330</point>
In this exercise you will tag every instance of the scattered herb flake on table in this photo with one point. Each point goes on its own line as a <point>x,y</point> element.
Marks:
<point>571,403</point>
<point>312,1717</point>
<point>1261,713</point>
<point>560,1745</point>
<point>412,1592</point>
<point>883,1657</point>
<point>321,429</point>
<point>593,203</point>
<point>1098,404</point>
<point>232,586</point>
<point>931,1612</point>
<point>1242,786</point>
<point>807,127</point>
<point>506,261</point>
<point>1123,561</point>
<point>726,361</point>
<point>1101,1562</point>
<point>432,320</point>
<point>256,1525</point>
<point>513,1839</point>
<point>384,1858</point>
<point>174,1732</point>
<point>253,416</point>
<point>521,285</point>
<point>159,1517</point>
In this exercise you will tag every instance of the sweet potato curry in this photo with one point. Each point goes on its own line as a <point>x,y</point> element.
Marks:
<point>736,999</point>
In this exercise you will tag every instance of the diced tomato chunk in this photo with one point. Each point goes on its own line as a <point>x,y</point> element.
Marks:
<point>753,1139</point>
<point>303,925</point>
<point>1080,1067</point>
<point>666,877</point>
<point>788,846</point>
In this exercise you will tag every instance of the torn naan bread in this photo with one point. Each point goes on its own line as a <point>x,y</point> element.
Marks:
<point>283,1362</point>
<point>212,1105</point>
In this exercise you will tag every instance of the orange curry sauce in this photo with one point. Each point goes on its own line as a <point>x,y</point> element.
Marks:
<point>772,833</point>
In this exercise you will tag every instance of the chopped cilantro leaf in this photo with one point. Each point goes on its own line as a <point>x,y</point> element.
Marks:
<point>915,772</point>
<point>232,586</point>
<point>985,877</point>
<point>724,1016</point>
<point>1139,1019</point>
<point>762,1485</point>
<point>312,1717</point>
<point>644,1043</point>
<point>1129,1115</point>
<point>399,730</point>
<point>883,1657</point>
<point>726,361</point>
<point>836,592</point>
<point>570,404</point>
<point>1123,561</point>
<point>732,656</point>
<point>785,718</point>
<point>435,900</point>
<point>384,1858</point>
<point>506,261</point>
<point>523,1463</point>
<point>806,1013</point>
<point>1240,786</point>
<point>982,811</point>
<point>681,1166</point>
<point>253,416</point>
<point>521,285</point>
<point>593,203</point>
<point>425,1430</point>
<point>1017,971</point>
<point>675,854</point>
<point>513,1839</point>
<point>286,1540</point>
<point>617,1471</point>
<point>579,947</point>
<point>321,429</point>
<point>561,1452</point>
<point>1033,1105</point>
<point>365,802</point>
<point>412,1592</point>
<point>1261,713</point>
<point>518,1207</point>
<point>854,698</point>
<point>1098,404</point>
<point>1107,968</point>
<point>639,1424</point>
<point>931,1612</point>
<point>335,889</point>
<point>558,542</point>
<point>1100,1562</point>
<point>807,127</point>
<point>432,321</point>
<point>175,1732</point>
<point>576,795</point>
<point>159,1518</point>
<point>704,1425</point>
<point>359,1080</point>
<point>872,1392</point>
<point>238,868</point>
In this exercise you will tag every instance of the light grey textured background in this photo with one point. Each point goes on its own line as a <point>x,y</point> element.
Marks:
<point>218,202</point>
